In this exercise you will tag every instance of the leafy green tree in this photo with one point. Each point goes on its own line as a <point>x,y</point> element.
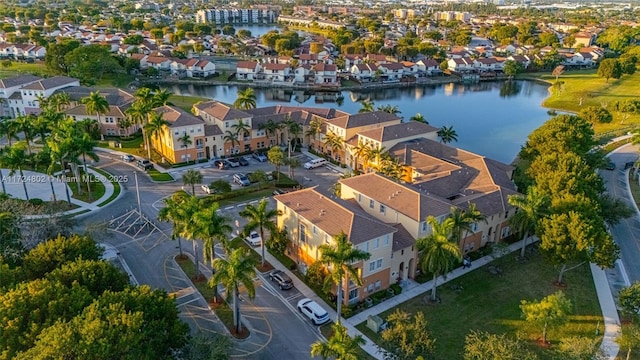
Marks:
<point>220,186</point>
<point>260,219</point>
<point>629,338</point>
<point>406,337</point>
<point>54,253</point>
<point>97,276</point>
<point>531,208</point>
<point>56,52</point>
<point>551,311</point>
<point>480,345</point>
<point>629,300</point>
<point>207,347</point>
<point>246,99</point>
<point>192,177</point>
<point>276,157</point>
<point>447,134</point>
<point>340,345</point>
<point>438,253</point>
<point>547,38</point>
<point>11,248</point>
<point>576,237</point>
<point>14,158</point>
<point>237,269</point>
<point>596,114</point>
<point>609,68</point>
<point>135,323</point>
<point>512,68</point>
<point>91,62</point>
<point>579,348</point>
<point>279,241</point>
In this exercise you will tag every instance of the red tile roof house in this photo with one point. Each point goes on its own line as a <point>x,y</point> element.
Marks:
<point>276,72</point>
<point>384,217</point>
<point>248,70</point>
<point>326,74</point>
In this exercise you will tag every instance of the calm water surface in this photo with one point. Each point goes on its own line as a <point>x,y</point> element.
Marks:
<point>492,119</point>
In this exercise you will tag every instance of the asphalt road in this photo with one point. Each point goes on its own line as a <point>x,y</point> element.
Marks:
<point>278,330</point>
<point>627,232</point>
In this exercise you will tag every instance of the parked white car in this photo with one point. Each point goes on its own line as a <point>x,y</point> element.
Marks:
<point>312,164</point>
<point>313,311</point>
<point>254,239</point>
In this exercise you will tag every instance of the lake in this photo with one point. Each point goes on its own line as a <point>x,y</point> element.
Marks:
<point>491,118</point>
<point>257,30</point>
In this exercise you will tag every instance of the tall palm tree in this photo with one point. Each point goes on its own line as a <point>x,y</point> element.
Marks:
<point>334,142</point>
<point>367,106</point>
<point>212,227</point>
<point>9,129</point>
<point>60,151</point>
<point>377,154</point>
<point>231,137</point>
<point>420,118</point>
<point>340,345</point>
<point>447,134</point>
<point>315,128</point>
<point>237,269</point>
<point>173,213</point>
<point>270,127</point>
<point>293,130</point>
<point>246,99</point>
<point>84,146</point>
<point>260,219</point>
<point>161,97</point>
<point>25,124</point>
<point>185,139</point>
<point>293,163</point>
<point>242,129</point>
<point>438,253</point>
<point>14,158</point>
<point>155,128</point>
<point>187,209</point>
<point>86,125</point>
<point>144,95</point>
<point>531,208</point>
<point>338,257</point>
<point>59,101</point>
<point>96,104</point>
<point>393,110</point>
<point>138,113</point>
<point>192,177</point>
<point>358,152</point>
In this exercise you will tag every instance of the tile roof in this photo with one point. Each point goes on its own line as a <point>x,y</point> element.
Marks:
<point>398,131</point>
<point>212,130</point>
<point>114,96</point>
<point>221,111</point>
<point>81,110</point>
<point>334,215</point>
<point>401,239</point>
<point>247,64</point>
<point>17,81</point>
<point>177,117</point>
<point>363,119</point>
<point>407,200</point>
<point>52,82</point>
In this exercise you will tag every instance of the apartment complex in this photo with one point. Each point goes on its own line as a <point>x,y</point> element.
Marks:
<point>20,95</point>
<point>255,15</point>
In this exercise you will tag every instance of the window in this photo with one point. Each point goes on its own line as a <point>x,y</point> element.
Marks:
<point>424,226</point>
<point>370,288</point>
<point>372,266</point>
<point>382,209</point>
<point>353,296</point>
<point>378,263</point>
<point>359,197</point>
<point>365,246</point>
<point>226,124</point>
<point>327,239</point>
<point>315,229</point>
<point>474,227</point>
<point>303,233</point>
<point>176,133</point>
<point>385,242</point>
<point>378,285</point>
<point>376,243</point>
<point>371,203</point>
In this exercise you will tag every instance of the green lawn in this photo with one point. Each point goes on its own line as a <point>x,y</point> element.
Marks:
<point>594,91</point>
<point>246,197</point>
<point>491,303</point>
<point>97,190</point>
<point>159,176</point>
<point>18,68</point>
<point>635,188</point>
<point>116,187</point>
<point>185,102</point>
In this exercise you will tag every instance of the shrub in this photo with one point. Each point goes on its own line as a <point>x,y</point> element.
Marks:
<point>36,202</point>
<point>397,289</point>
<point>315,275</point>
<point>220,186</point>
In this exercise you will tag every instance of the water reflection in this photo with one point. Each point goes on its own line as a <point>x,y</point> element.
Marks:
<point>491,118</point>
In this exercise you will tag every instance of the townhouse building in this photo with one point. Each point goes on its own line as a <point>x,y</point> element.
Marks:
<point>112,122</point>
<point>10,86</point>
<point>25,101</point>
<point>182,139</point>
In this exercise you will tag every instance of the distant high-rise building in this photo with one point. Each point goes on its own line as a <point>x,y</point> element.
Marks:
<point>237,16</point>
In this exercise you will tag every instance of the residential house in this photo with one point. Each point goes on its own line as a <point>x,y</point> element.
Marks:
<point>113,121</point>
<point>522,59</point>
<point>428,66</point>
<point>276,72</point>
<point>364,72</point>
<point>391,71</point>
<point>248,70</point>
<point>302,74</point>
<point>583,39</point>
<point>158,62</point>
<point>409,68</point>
<point>182,139</point>
<point>326,74</point>
<point>25,101</point>
<point>579,59</point>
<point>461,64</point>
<point>9,87</point>
<point>352,59</point>
<point>488,64</point>
<point>226,119</point>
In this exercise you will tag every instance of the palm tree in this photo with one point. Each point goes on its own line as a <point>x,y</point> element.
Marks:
<point>531,208</point>
<point>293,163</point>
<point>377,153</point>
<point>367,106</point>
<point>8,128</point>
<point>447,134</point>
<point>144,96</point>
<point>187,209</point>
<point>161,98</point>
<point>334,142</point>
<point>84,146</point>
<point>294,130</point>
<point>86,125</point>
<point>59,101</point>
<point>212,226</point>
<point>231,137</point>
<point>185,139</point>
<point>96,104</point>
<point>340,345</point>
<point>14,158</point>
<point>270,127</point>
<point>393,110</point>
<point>59,150</point>
<point>315,128</point>
<point>338,257</point>
<point>155,127</point>
<point>438,253</point>
<point>192,177</point>
<point>138,113</point>
<point>359,152</point>
<point>420,118</point>
<point>173,213</point>
<point>25,124</point>
<point>242,130</point>
<point>261,219</point>
<point>238,269</point>
<point>246,99</point>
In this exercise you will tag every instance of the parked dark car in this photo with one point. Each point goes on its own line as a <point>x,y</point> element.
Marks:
<point>283,280</point>
<point>144,164</point>
<point>611,166</point>
<point>279,192</point>
<point>221,164</point>
<point>243,161</point>
<point>629,165</point>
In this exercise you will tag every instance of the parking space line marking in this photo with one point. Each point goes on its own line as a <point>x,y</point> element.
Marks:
<point>188,302</point>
